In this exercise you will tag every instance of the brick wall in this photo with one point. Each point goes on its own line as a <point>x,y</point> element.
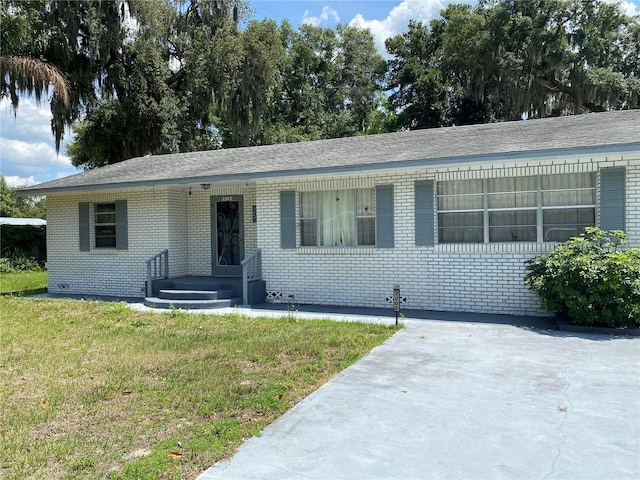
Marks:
<point>109,271</point>
<point>158,218</point>
<point>176,205</point>
<point>632,212</point>
<point>478,277</point>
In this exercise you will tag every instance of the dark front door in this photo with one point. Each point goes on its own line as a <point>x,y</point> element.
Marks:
<point>227,235</point>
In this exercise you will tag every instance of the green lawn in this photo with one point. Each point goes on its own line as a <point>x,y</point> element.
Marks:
<point>95,390</point>
<point>20,283</point>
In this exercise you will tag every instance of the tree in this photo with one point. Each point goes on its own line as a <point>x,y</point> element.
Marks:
<point>30,206</point>
<point>161,76</point>
<point>169,84</point>
<point>415,78</point>
<point>360,75</point>
<point>20,74</point>
<point>79,40</point>
<point>591,279</point>
<point>509,59</point>
<point>544,57</point>
<point>330,83</point>
<point>7,200</point>
<point>467,66</point>
<point>299,112</point>
<point>205,52</point>
<point>24,75</point>
<point>210,84</point>
<point>26,206</point>
<point>241,108</point>
<point>143,118</point>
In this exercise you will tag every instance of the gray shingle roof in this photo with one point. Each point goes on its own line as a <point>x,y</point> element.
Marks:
<point>419,147</point>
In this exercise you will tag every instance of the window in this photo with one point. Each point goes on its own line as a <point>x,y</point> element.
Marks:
<point>109,228</point>
<point>512,206</point>
<point>516,209</point>
<point>338,217</point>
<point>105,225</point>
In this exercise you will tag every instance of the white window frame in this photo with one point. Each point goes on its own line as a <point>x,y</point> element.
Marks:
<point>538,208</point>
<point>97,224</point>
<point>318,218</point>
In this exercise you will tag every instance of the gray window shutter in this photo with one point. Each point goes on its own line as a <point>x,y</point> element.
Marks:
<point>612,198</point>
<point>122,234</point>
<point>384,216</point>
<point>288,219</point>
<point>83,217</point>
<point>424,221</point>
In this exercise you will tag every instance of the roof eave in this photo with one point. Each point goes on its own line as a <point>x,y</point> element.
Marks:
<point>390,165</point>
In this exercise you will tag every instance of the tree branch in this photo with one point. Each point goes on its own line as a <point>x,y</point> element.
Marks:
<point>32,74</point>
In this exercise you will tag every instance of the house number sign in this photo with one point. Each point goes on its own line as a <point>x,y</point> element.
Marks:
<point>396,299</point>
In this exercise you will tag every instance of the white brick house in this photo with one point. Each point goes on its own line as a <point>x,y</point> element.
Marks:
<point>449,214</point>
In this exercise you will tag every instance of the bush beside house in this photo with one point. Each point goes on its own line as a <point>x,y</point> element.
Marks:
<point>591,280</point>
<point>22,247</point>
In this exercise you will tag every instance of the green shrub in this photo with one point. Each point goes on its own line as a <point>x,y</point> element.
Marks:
<point>28,238</point>
<point>5,265</point>
<point>17,259</point>
<point>592,279</point>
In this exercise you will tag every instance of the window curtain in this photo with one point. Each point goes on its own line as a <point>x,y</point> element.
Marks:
<point>309,219</point>
<point>338,215</point>
<point>567,203</point>
<point>366,202</point>
<point>568,189</point>
<point>366,216</point>
<point>309,205</point>
<point>512,193</point>
<point>460,226</point>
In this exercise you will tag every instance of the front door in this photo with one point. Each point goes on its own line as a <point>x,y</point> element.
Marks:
<point>227,235</point>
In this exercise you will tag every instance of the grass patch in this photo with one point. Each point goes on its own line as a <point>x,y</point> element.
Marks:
<point>95,390</point>
<point>23,283</point>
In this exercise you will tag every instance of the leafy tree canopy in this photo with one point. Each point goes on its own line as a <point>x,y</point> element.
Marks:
<point>226,86</point>
<point>504,60</point>
<point>329,82</point>
<point>23,206</point>
<point>120,50</point>
<point>165,76</point>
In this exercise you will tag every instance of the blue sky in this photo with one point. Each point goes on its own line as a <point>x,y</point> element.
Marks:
<point>27,153</point>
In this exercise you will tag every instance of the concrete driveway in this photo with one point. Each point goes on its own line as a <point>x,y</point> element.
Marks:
<point>455,400</point>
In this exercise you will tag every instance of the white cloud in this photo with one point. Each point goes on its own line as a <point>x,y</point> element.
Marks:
<point>25,159</point>
<point>398,18</point>
<point>630,8</point>
<point>328,15</point>
<point>27,146</point>
<point>30,121</point>
<point>14,181</point>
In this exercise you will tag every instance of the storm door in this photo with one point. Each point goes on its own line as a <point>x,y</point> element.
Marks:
<point>227,235</point>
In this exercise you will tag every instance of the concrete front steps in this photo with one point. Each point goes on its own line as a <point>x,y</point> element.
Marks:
<point>194,293</point>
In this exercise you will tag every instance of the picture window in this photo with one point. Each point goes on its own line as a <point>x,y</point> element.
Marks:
<point>536,208</point>
<point>338,218</point>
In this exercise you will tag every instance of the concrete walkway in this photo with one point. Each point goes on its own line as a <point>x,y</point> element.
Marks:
<point>457,400</point>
